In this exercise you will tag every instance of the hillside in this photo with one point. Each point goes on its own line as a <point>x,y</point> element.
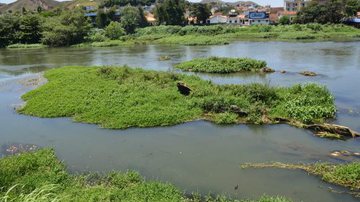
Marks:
<point>81,3</point>
<point>29,5</point>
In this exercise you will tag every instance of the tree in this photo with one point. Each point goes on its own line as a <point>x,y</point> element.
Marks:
<point>284,20</point>
<point>130,19</point>
<point>69,28</point>
<point>114,30</point>
<point>332,11</point>
<point>352,7</point>
<point>143,22</point>
<point>101,19</point>
<point>170,12</point>
<point>30,28</point>
<point>9,24</point>
<point>200,11</point>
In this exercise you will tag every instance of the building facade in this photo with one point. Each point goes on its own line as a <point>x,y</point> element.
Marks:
<point>295,5</point>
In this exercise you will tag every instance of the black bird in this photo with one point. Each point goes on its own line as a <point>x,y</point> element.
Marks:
<point>183,89</point>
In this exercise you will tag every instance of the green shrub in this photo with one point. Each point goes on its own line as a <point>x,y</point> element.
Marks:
<point>97,35</point>
<point>114,30</point>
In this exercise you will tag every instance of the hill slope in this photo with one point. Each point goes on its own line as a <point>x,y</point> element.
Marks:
<point>29,5</point>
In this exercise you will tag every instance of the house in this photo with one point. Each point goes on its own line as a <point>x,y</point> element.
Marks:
<point>92,16</point>
<point>295,5</point>
<point>259,18</point>
<point>217,18</point>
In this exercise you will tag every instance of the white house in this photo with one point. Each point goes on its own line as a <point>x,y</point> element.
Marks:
<point>218,19</point>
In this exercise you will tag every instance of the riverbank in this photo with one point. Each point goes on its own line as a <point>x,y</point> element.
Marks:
<point>225,34</point>
<point>40,176</point>
<point>123,97</point>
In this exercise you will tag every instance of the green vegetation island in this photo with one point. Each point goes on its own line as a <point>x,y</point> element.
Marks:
<point>40,176</point>
<point>222,65</point>
<point>123,97</point>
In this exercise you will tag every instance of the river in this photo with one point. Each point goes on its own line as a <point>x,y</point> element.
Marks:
<point>195,156</point>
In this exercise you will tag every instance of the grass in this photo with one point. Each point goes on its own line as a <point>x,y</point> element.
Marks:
<point>193,40</point>
<point>347,175</point>
<point>26,46</point>
<point>40,176</point>
<point>221,65</point>
<point>108,43</point>
<point>122,97</point>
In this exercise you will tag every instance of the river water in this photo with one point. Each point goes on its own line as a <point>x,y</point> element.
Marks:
<point>196,156</point>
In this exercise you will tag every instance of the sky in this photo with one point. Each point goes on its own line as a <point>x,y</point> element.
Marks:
<point>261,2</point>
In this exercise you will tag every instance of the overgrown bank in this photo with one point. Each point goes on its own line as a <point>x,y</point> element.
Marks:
<point>40,176</point>
<point>124,97</point>
<point>347,175</point>
<point>224,34</point>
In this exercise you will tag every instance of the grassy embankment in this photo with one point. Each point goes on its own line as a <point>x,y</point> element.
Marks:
<point>347,175</point>
<point>124,97</point>
<point>224,34</point>
<point>221,65</point>
<point>40,176</point>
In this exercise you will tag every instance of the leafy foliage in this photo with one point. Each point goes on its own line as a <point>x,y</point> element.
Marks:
<point>131,19</point>
<point>69,28</point>
<point>332,11</point>
<point>114,31</point>
<point>221,65</point>
<point>200,11</point>
<point>20,29</point>
<point>170,12</point>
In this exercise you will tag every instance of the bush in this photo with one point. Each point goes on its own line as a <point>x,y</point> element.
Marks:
<point>97,35</point>
<point>114,30</point>
<point>284,20</point>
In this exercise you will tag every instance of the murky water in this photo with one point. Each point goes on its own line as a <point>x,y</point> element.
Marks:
<point>196,156</point>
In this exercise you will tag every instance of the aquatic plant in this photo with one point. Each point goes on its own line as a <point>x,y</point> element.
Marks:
<point>40,176</point>
<point>221,65</point>
<point>123,97</point>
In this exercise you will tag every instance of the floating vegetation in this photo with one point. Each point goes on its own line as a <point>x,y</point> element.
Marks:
<point>164,58</point>
<point>223,65</point>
